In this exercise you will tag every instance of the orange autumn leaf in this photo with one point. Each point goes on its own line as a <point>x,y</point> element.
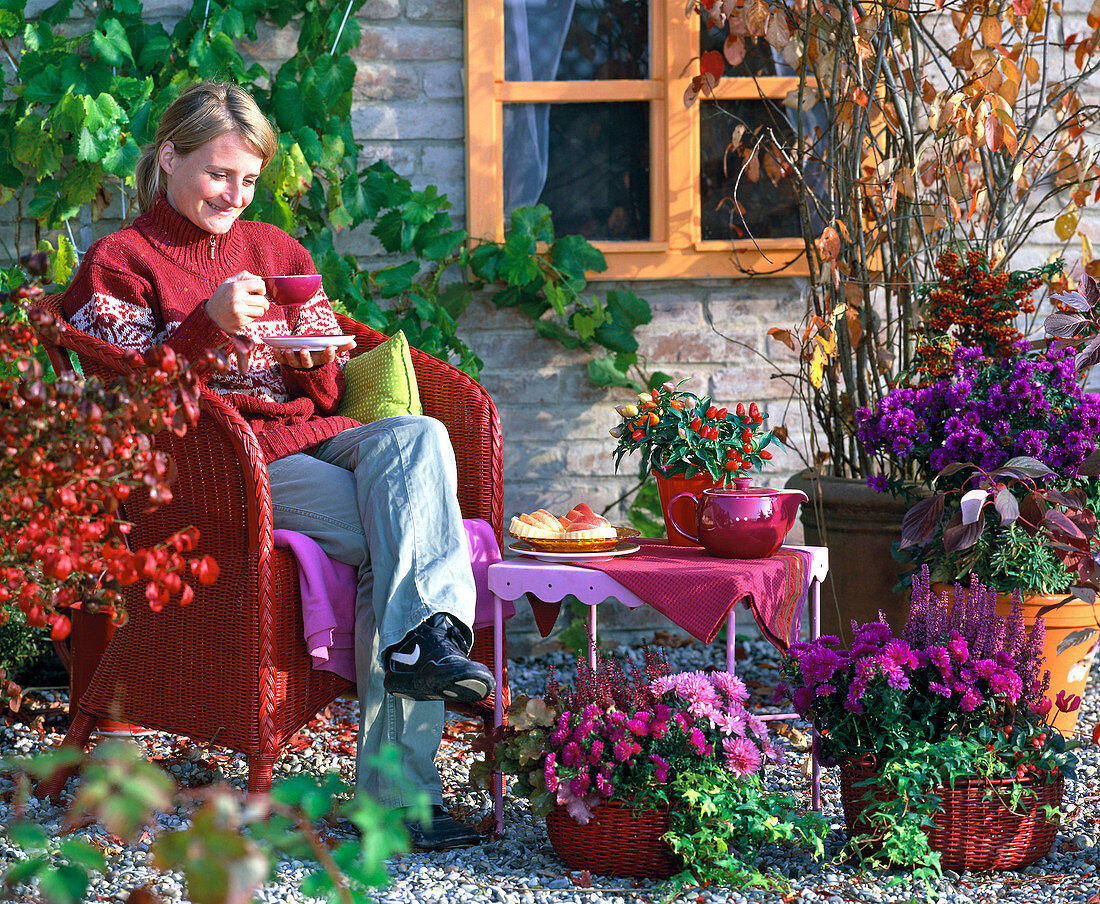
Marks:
<point>828,244</point>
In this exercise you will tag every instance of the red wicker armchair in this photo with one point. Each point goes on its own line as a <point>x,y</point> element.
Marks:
<point>231,668</point>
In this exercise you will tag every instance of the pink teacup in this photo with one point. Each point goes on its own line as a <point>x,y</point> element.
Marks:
<point>292,290</point>
<point>742,522</point>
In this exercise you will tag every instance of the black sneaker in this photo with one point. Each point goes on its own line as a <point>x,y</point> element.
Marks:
<point>430,664</point>
<point>442,833</point>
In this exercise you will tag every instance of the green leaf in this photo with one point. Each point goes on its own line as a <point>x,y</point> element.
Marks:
<point>102,112</point>
<point>518,265</point>
<point>10,24</point>
<point>548,329</point>
<point>28,835</point>
<point>111,45</point>
<point>388,229</point>
<point>392,281</point>
<point>575,256</point>
<point>532,224</point>
<point>64,885</point>
<point>83,854</point>
<point>455,299</point>
<point>603,372</point>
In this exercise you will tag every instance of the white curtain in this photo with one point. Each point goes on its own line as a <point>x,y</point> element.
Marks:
<point>534,34</point>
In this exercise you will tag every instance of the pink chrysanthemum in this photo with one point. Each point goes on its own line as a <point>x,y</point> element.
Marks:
<point>732,686</point>
<point>742,756</point>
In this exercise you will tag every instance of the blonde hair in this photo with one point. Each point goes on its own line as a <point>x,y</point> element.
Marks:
<point>200,114</point>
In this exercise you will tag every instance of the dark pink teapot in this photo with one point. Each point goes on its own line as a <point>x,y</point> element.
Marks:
<point>742,521</point>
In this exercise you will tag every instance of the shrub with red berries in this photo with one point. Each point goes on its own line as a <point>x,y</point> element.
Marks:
<point>73,451</point>
<point>681,433</point>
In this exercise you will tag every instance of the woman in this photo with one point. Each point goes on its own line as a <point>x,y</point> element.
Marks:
<point>184,275</point>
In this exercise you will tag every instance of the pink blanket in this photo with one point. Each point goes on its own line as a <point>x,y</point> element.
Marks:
<point>328,594</point>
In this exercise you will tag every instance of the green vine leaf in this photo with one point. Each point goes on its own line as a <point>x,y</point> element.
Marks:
<point>111,44</point>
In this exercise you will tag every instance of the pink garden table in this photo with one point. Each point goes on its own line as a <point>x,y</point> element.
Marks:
<point>697,592</point>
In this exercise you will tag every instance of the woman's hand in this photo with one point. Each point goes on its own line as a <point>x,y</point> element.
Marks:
<point>303,359</point>
<point>237,302</point>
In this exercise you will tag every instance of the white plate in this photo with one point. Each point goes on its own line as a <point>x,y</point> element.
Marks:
<point>311,343</point>
<point>523,550</point>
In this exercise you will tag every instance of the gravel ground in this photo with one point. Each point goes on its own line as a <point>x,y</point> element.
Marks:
<point>520,867</point>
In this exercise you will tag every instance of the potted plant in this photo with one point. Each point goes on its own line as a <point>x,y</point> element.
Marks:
<point>946,753</point>
<point>905,132</point>
<point>993,434</point>
<point>690,444</point>
<point>646,773</point>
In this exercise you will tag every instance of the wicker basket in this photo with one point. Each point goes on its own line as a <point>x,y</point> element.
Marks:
<point>617,841</point>
<point>973,831</point>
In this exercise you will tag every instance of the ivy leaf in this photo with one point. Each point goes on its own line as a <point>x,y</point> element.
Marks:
<point>10,23</point>
<point>485,261</point>
<point>65,260</point>
<point>392,281</point>
<point>81,183</point>
<point>388,228</point>
<point>575,256</point>
<point>518,265</point>
<point>455,299</point>
<point>548,329</point>
<point>531,225</point>
<point>604,372</point>
<point>436,240</point>
<point>111,45</point>
<point>585,323</point>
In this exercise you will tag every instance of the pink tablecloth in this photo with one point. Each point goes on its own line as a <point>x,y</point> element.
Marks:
<point>696,591</point>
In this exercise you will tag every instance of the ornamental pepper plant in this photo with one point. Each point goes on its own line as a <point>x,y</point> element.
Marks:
<point>73,452</point>
<point>647,736</point>
<point>679,432</point>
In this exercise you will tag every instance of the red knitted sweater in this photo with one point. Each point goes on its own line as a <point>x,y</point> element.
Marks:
<point>147,284</point>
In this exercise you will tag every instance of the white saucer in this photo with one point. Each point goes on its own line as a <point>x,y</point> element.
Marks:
<point>311,343</point>
<point>573,556</point>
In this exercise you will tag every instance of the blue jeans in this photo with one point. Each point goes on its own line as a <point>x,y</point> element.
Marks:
<point>383,498</point>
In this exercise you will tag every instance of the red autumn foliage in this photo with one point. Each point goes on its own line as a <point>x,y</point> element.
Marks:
<point>72,451</point>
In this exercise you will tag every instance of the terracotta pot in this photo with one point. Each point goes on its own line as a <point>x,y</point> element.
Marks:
<point>858,525</point>
<point>974,829</point>
<point>1069,648</point>
<point>618,840</point>
<point>667,488</point>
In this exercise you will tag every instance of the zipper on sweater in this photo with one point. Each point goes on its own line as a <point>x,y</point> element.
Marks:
<point>212,240</point>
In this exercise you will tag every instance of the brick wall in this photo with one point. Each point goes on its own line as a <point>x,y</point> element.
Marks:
<point>408,110</point>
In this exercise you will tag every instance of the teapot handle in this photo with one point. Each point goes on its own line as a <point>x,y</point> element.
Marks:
<point>672,514</point>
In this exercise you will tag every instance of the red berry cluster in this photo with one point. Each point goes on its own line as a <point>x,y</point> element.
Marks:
<point>973,305</point>
<point>73,451</point>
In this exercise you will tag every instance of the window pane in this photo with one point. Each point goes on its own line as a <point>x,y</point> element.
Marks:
<point>571,40</point>
<point>589,163</point>
<point>756,58</point>
<point>760,201</point>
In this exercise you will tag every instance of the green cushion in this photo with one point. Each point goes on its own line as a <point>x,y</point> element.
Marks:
<point>380,382</point>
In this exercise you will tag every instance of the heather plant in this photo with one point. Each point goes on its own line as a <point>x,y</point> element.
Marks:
<point>650,737</point>
<point>961,693</point>
<point>992,427</point>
